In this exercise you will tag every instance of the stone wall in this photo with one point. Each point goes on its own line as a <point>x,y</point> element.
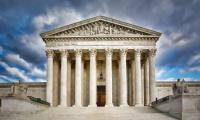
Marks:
<point>165,88</point>
<point>38,89</point>
<point>34,89</point>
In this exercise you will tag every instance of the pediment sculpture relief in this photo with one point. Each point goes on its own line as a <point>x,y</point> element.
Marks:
<point>99,28</point>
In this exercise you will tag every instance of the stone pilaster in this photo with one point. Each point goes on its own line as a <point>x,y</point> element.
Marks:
<point>49,86</point>
<point>78,74</point>
<point>63,81</point>
<point>93,78</point>
<point>109,77</point>
<point>123,80</point>
<point>152,54</point>
<point>138,79</point>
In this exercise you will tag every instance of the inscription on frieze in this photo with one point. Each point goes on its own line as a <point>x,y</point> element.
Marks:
<point>86,43</point>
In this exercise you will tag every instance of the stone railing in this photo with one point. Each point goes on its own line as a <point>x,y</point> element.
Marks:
<point>38,100</point>
<point>159,101</point>
<point>181,106</point>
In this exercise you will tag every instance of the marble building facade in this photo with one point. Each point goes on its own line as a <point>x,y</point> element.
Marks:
<point>100,62</point>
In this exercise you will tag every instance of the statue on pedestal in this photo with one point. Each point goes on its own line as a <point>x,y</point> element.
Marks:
<point>18,89</point>
<point>180,87</point>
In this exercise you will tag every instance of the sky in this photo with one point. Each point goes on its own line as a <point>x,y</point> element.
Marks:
<point>22,55</point>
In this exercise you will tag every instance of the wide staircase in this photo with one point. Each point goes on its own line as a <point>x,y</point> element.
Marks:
<point>99,113</point>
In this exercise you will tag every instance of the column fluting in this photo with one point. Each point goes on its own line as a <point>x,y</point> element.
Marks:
<point>93,78</point>
<point>146,81</point>
<point>123,79</point>
<point>49,87</point>
<point>138,79</point>
<point>152,54</point>
<point>109,77</point>
<point>78,74</point>
<point>63,81</point>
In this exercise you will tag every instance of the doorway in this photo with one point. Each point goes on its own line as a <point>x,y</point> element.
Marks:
<point>101,96</point>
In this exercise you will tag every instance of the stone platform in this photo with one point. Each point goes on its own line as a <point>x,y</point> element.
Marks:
<point>84,113</point>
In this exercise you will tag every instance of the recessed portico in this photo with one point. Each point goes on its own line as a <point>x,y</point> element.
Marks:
<point>100,62</point>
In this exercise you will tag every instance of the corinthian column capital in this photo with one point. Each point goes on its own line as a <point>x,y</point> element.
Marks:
<point>78,52</point>
<point>108,52</point>
<point>92,52</point>
<point>64,53</point>
<point>137,52</point>
<point>123,52</point>
<point>49,53</point>
<point>152,52</point>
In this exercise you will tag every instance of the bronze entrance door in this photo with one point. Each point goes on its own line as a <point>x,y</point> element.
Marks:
<point>101,95</point>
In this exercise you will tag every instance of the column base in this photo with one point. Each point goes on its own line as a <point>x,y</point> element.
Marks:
<point>77,105</point>
<point>62,105</point>
<point>139,105</point>
<point>51,105</point>
<point>124,105</point>
<point>92,105</point>
<point>109,105</point>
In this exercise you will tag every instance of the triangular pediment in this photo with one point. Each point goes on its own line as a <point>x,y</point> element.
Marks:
<point>100,26</point>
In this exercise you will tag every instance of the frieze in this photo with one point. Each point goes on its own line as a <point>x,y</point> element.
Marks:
<point>103,43</point>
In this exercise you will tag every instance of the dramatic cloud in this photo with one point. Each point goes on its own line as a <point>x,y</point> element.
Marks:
<point>14,58</point>
<point>7,79</point>
<point>22,52</point>
<point>16,72</point>
<point>56,17</point>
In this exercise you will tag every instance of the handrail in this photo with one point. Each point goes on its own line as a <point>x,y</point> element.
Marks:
<point>38,100</point>
<point>158,101</point>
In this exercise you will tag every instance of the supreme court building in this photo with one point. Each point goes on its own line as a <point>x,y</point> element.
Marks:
<point>100,62</point>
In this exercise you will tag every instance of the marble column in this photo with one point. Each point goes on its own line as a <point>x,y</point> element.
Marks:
<point>152,91</point>
<point>78,74</point>
<point>138,78</point>
<point>49,87</point>
<point>109,102</point>
<point>133,80</point>
<point>146,80</point>
<point>63,81</point>
<point>93,87</point>
<point>123,80</point>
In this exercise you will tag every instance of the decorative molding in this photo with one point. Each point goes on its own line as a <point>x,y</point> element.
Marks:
<point>99,38</point>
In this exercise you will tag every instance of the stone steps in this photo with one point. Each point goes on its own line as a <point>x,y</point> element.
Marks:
<point>85,113</point>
